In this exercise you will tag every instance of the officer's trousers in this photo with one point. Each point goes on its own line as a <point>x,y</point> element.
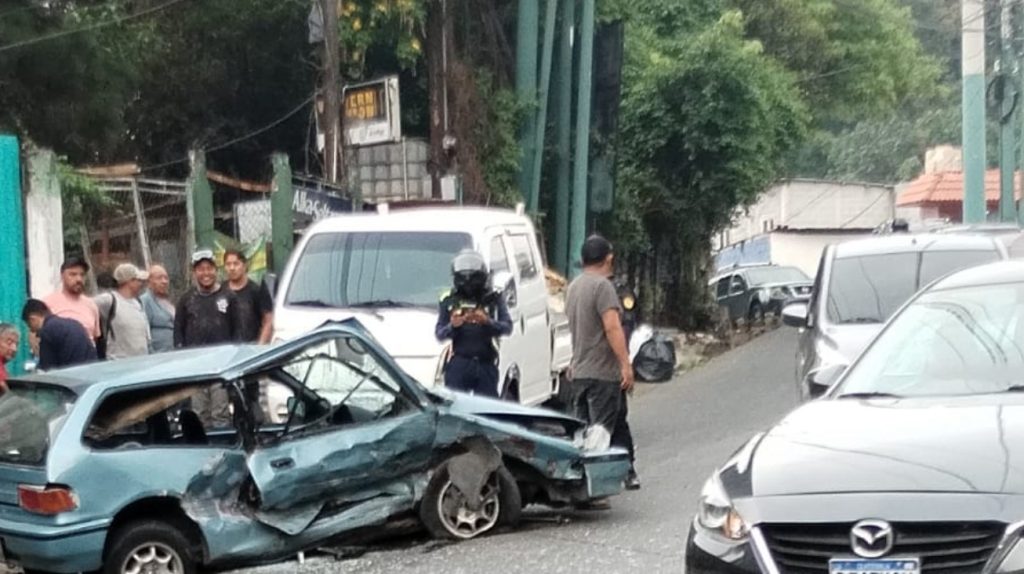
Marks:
<point>471,375</point>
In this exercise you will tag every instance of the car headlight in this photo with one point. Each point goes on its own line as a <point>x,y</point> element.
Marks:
<point>717,513</point>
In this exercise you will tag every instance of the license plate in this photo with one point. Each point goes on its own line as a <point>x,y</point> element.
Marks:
<point>861,566</point>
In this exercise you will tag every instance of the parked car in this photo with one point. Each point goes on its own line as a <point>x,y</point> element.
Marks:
<point>96,471</point>
<point>391,270</point>
<point>908,464</point>
<point>1009,234</point>
<point>861,283</point>
<point>751,292</point>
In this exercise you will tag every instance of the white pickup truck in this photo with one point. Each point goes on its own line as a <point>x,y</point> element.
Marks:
<point>391,269</point>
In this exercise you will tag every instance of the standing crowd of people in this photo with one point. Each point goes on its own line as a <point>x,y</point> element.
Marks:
<point>136,315</point>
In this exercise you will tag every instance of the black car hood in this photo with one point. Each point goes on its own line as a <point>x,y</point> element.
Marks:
<point>969,444</point>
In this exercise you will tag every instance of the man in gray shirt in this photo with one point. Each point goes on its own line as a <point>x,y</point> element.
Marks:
<point>159,309</point>
<point>601,368</point>
<point>125,323</point>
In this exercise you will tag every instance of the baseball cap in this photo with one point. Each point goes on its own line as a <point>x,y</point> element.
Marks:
<point>126,272</point>
<point>203,255</point>
<point>72,262</point>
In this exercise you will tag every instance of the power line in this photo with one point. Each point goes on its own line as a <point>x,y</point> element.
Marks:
<point>237,140</point>
<point>863,211</point>
<point>90,27</point>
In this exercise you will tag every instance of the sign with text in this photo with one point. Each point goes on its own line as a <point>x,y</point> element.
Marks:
<point>371,112</point>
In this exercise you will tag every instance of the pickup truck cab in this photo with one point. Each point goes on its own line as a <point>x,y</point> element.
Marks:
<point>391,270</point>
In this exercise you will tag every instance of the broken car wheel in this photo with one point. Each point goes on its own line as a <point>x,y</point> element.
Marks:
<point>149,547</point>
<point>446,513</point>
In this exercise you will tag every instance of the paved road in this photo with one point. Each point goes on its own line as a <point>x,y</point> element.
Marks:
<point>685,429</point>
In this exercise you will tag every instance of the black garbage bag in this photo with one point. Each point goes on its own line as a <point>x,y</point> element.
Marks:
<point>655,362</point>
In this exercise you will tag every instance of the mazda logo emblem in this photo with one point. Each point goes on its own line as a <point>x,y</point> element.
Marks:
<point>872,538</point>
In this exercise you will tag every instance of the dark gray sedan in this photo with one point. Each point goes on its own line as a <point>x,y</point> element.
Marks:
<point>910,463</point>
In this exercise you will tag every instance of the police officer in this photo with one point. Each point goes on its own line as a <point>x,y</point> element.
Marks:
<point>622,436</point>
<point>473,316</point>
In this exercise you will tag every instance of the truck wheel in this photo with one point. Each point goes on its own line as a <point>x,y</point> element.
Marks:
<point>445,515</point>
<point>150,546</point>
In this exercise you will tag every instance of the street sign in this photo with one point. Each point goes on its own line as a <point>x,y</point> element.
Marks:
<point>371,112</point>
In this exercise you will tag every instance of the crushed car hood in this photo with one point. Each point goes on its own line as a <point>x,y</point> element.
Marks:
<point>969,444</point>
<point>461,403</point>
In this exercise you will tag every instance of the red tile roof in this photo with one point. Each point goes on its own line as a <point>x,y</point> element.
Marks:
<point>948,187</point>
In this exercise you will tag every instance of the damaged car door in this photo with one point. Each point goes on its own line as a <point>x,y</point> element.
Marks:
<point>354,444</point>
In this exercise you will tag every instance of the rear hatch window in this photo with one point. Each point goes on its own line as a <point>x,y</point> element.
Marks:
<point>31,415</point>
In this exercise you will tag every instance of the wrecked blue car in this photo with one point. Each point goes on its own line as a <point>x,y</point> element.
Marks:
<point>109,467</point>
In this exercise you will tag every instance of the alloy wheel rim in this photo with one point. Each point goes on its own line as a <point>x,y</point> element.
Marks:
<point>153,558</point>
<point>462,522</point>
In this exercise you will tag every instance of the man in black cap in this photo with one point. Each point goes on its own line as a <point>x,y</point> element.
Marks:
<point>207,314</point>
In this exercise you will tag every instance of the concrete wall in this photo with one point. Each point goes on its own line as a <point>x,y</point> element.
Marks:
<point>803,250</point>
<point>812,204</point>
<point>44,229</point>
<point>391,171</point>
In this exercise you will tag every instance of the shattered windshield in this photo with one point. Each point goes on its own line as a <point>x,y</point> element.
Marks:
<point>31,415</point>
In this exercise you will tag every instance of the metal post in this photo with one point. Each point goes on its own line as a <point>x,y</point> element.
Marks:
<point>140,222</point>
<point>578,225</point>
<point>1007,146</point>
<point>533,201</point>
<point>202,200</point>
<point>563,128</point>
<point>405,170</point>
<point>281,199</point>
<point>12,245</point>
<point>973,140</point>
<point>526,86</point>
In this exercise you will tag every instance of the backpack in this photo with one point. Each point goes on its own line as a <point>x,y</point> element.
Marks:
<point>106,329</point>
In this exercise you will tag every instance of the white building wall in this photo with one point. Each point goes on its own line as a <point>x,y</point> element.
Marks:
<point>44,224</point>
<point>812,204</point>
<point>803,250</point>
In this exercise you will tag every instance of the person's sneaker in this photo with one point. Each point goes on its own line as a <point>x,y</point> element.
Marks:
<point>632,481</point>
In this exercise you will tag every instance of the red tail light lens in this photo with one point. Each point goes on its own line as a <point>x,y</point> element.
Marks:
<point>46,499</point>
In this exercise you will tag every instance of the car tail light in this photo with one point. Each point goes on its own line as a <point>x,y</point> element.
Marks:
<point>46,499</point>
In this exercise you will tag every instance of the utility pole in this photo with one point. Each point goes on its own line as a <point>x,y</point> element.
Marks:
<point>333,163</point>
<point>578,225</point>
<point>563,137</point>
<point>973,138</point>
<point>527,32</point>
<point>1007,95</point>
<point>533,200</point>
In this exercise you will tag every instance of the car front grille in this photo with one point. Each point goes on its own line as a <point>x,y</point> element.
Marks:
<point>943,547</point>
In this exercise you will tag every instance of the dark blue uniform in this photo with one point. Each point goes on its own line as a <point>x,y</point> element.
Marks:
<point>473,367</point>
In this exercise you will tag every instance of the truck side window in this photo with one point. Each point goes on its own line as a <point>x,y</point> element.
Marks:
<point>499,258</point>
<point>524,257</point>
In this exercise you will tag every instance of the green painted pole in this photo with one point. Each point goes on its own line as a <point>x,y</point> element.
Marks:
<point>282,198</point>
<point>973,140</point>
<point>1007,146</point>
<point>202,201</point>
<point>563,137</point>
<point>526,89</point>
<point>12,246</point>
<point>543,97</point>
<point>578,225</point>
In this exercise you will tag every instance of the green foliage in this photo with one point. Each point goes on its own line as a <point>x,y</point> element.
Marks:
<point>82,201</point>
<point>497,136</point>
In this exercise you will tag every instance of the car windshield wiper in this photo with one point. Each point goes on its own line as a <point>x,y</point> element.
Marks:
<point>384,304</point>
<point>869,395</point>
<point>311,303</point>
<point>862,320</point>
<point>1014,389</point>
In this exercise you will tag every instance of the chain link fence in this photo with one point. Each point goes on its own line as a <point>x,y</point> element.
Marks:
<point>141,221</point>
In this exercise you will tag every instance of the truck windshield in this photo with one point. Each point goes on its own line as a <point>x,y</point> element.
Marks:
<point>375,269</point>
<point>31,415</point>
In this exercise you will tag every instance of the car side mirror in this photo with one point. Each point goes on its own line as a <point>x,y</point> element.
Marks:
<point>795,314</point>
<point>821,380</point>
<point>503,281</point>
